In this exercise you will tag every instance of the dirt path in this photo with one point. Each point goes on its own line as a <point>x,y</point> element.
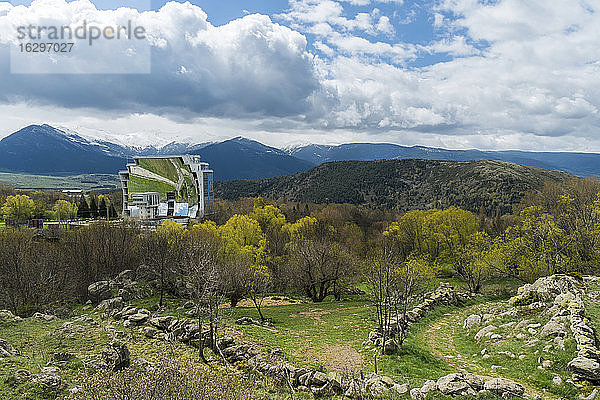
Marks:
<point>440,339</point>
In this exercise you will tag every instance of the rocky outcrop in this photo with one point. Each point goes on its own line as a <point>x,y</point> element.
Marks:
<point>443,295</point>
<point>8,316</point>
<point>6,350</point>
<point>116,355</point>
<point>99,291</point>
<point>565,296</point>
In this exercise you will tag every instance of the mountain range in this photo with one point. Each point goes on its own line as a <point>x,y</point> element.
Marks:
<point>43,149</point>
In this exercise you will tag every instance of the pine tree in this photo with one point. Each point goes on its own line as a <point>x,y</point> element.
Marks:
<point>93,208</point>
<point>112,212</point>
<point>102,209</point>
<point>83,210</point>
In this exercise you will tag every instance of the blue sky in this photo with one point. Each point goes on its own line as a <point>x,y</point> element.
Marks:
<point>487,74</point>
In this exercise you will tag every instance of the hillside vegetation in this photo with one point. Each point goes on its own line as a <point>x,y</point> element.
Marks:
<point>402,185</point>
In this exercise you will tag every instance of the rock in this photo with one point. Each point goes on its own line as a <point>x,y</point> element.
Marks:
<point>137,319</point>
<point>475,381</point>
<point>318,379</point>
<point>150,332</point>
<point>400,389</point>
<point>43,317</point>
<point>8,316</point>
<point>585,368</point>
<point>99,291</point>
<point>161,322</point>
<point>452,384</point>
<point>495,336</point>
<point>50,381</point>
<point>111,306</point>
<point>416,394</point>
<point>592,395</point>
<point>390,347</point>
<point>557,380</point>
<point>471,321</point>
<point>116,355</point>
<point>487,331</point>
<point>429,386</point>
<point>504,387</point>
<point>6,350</point>
<point>126,275</point>
<point>244,321</point>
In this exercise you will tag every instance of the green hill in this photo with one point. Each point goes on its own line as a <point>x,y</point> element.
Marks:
<point>402,184</point>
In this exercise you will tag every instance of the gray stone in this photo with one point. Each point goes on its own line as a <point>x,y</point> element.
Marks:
<point>116,355</point>
<point>504,387</point>
<point>487,331</point>
<point>6,350</point>
<point>50,381</point>
<point>99,291</point>
<point>471,321</point>
<point>585,368</point>
<point>452,384</point>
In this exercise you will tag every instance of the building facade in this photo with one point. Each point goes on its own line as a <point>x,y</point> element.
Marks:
<point>167,187</point>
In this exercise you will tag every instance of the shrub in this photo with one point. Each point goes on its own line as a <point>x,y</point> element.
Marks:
<point>530,298</point>
<point>170,379</point>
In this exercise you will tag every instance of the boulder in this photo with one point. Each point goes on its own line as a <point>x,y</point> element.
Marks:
<point>452,384</point>
<point>126,275</point>
<point>99,291</point>
<point>50,381</point>
<point>585,368</point>
<point>62,357</point>
<point>43,317</point>
<point>8,316</point>
<point>116,355</point>
<point>6,350</point>
<point>504,387</point>
<point>471,321</point>
<point>244,321</point>
<point>554,328</point>
<point>487,331</point>
<point>400,389</point>
<point>111,306</point>
<point>161,322</point>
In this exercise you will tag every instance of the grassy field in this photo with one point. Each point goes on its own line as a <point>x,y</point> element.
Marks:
<point>84,182</point>
<point>327,336</point>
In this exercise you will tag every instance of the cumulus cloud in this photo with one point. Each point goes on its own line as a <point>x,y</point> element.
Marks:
<point>494,74</point>
<point>249,66</point>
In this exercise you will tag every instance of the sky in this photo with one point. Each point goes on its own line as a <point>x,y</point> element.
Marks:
<point>486,74</point>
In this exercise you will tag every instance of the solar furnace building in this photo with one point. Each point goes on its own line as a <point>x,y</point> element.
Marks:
<point>167,187</point>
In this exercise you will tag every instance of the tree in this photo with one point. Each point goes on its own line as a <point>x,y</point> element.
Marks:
<point>65,210</point>
<point>93,207</point>
<point>243,245</point>
<point>83,210</point>
<point>102,208</point>
<point>202,275</point>
<point>18,207</point>
<point>112,212</point>
<point>315,257</point>
<point>164,252</point>
<point>258,286</point>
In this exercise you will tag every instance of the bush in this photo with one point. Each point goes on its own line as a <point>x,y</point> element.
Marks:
<point>170,379</point>
<point>530,298</point>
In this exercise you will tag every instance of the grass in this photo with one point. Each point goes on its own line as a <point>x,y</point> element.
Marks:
<point>84,182</point>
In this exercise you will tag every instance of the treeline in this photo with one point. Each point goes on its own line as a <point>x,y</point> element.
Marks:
<point>252,247</point>
<point>21,206</point>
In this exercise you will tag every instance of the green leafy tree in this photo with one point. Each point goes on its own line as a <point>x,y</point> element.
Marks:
<point>18,207</point>
<point>65,210</point>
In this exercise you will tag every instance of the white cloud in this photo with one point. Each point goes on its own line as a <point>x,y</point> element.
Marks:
<point>248,66</point>
<point>513,74</point>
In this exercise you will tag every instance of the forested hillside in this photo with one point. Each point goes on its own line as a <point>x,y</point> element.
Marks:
<point>402,184</point>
